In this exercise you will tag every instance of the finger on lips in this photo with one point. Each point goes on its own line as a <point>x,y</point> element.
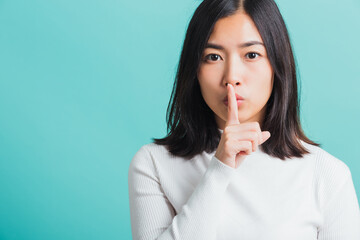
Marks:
<point>254,136</point>
<point>232,106</point>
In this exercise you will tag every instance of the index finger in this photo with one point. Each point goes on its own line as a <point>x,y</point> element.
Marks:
<point>232,117</point>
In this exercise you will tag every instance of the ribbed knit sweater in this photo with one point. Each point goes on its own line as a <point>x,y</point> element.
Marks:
<point>265,198</point>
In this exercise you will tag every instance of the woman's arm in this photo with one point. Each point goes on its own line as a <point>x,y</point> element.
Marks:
<point>152,215</point>
<point>341,213</point>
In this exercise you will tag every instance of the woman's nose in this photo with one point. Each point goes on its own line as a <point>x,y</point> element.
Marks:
<point>233,73</point>
<point>236,83</point>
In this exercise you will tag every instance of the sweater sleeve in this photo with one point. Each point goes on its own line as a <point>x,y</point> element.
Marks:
<point>341,213</point>
<point>152,215</point>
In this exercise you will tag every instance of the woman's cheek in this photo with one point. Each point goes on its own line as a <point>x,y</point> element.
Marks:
<point>258,68</point>
<point>213,71</point>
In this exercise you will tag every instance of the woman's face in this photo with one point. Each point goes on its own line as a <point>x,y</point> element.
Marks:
<point>235,54</point>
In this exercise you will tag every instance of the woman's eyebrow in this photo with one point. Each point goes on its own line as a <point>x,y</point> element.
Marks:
<point>242,45</point>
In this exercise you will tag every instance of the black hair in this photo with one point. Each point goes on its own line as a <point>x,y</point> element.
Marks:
<point>191,124</point>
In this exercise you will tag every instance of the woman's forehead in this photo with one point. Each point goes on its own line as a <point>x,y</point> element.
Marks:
<point>234,30</point>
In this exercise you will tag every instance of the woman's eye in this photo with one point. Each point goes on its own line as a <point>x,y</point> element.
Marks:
<point>213,57</point>
<point>252,55</point>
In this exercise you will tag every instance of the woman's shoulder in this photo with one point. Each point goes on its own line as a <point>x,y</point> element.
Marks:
<point>152,149</point>
<point>331,177</point>
<point>327,165</point>
<point>148,155</point>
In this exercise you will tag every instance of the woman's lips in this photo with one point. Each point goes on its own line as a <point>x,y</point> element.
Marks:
<point>239,102</point>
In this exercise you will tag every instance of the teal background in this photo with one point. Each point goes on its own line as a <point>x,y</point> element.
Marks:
<point>84,84</point>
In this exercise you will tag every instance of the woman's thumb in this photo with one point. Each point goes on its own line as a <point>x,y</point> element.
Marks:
<point>265,136</point>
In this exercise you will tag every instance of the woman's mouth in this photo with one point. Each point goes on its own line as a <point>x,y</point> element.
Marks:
<point>239,100</point>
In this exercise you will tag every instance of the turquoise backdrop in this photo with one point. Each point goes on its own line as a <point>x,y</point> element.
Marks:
<point>85,83</point>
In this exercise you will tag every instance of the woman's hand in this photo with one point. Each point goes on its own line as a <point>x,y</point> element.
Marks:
<point>238,140</point>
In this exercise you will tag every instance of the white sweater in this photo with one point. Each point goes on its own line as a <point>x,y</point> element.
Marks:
<point>265,198</point>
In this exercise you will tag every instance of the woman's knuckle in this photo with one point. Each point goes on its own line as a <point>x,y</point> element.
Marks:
<point>255,125</point>
<point>253,135</point>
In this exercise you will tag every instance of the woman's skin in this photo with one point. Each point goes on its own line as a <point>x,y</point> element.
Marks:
<point>238,140</point>
<point>240,67</point>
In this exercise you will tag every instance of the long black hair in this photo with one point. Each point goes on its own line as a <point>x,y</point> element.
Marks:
<point>191,124</point>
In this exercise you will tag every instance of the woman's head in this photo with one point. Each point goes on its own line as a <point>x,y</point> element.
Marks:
<point>268,84</point>
<point>235,54</point>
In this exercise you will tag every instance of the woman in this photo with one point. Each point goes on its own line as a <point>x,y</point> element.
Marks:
<point>236,163</point>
